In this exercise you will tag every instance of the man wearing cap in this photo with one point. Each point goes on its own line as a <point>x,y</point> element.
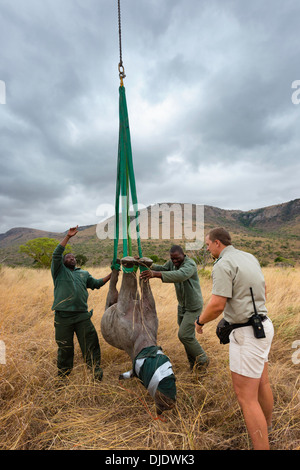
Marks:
<point>234,273</point>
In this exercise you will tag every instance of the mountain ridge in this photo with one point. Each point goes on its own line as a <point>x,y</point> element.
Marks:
<point>278,224</point>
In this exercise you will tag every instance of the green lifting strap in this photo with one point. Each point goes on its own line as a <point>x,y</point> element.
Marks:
<point>124,186</point>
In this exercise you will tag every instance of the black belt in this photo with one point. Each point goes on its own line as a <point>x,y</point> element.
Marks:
<point>248,323</point>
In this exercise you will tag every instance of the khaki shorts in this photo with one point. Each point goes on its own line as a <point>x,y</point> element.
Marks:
<point>247,354</point>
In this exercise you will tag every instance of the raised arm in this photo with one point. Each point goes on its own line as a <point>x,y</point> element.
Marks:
<point>71,232</point>
<point>57,262</point>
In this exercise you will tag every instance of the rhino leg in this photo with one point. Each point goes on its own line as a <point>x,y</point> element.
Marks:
<point>148,303</point>
<point>129,288</point>
<point>131,323</point>
<point>148,317</point>
<point>116,330</point>
<point>120,324</point>
<point>112,295</point>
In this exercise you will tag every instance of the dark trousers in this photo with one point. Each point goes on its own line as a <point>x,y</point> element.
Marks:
<point>186,334</point>
<point>66,324</point>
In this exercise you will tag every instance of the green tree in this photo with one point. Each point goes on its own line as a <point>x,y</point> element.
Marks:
<point>283,261</point>
<point>81,259</point>
<point>201,257</point>
<point>41,250</point>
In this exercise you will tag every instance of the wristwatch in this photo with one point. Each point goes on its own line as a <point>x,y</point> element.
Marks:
<point>197,321</point>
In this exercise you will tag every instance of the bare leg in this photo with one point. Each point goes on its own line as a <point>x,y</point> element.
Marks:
<point>265,396</point>
<point>246,389</point>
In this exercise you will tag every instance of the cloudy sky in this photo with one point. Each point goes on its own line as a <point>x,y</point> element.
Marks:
<point>209,95</point>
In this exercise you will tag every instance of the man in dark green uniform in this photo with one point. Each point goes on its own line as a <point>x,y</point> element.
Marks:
<point>71,310</point>
<point>182,271</point>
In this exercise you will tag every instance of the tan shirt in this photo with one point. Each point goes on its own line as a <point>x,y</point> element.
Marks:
<point>233,274</point>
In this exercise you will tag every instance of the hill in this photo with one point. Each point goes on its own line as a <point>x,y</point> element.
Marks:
<point>270,233</point>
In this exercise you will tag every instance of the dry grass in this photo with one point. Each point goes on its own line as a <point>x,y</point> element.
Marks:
<point>37,412</point>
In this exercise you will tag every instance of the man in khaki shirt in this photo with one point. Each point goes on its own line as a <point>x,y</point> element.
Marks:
<point>233,274</point>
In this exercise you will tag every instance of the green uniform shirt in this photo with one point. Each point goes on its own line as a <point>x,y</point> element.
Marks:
<point>233,274</point>
<point>186,281</point>
<point>70,286</point>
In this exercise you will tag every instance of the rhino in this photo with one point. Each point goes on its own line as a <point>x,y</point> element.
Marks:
<point>130,323</point>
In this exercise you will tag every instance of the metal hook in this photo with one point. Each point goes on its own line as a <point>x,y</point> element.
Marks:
<point>121,71</point>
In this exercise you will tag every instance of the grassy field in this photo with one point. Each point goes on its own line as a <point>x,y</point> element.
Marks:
<point>38,413</point>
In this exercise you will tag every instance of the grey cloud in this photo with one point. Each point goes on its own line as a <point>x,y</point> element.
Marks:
<point>208,89</point>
